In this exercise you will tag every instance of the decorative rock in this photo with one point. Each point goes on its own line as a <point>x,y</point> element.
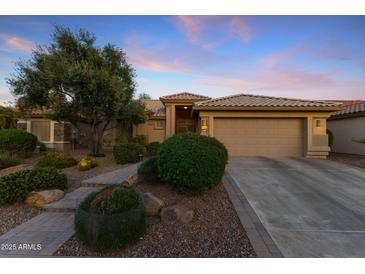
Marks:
<point>40,198</point>
<point>152,204</point>
<point>130,181</point>
<point>176,213</point>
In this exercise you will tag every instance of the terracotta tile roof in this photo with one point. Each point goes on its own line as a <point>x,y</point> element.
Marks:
<point>39,111</point>
<point>155,107</point>
<point>185,96</point>
<point>353,108</point>
<point>249,100</point>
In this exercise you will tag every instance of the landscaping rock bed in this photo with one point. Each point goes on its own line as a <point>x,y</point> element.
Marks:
<point>15,214</point>
<point>350,159</point>
<point>214,231</point>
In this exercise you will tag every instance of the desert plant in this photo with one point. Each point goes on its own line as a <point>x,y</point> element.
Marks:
<point>15,186</point>
<point>56,160</point>
<point>17,141</point>
<point>111,218</point>
<point>192,160</point>
<point>127,152</point>
<point>139,139</point>
<point>153,148</point>
<point>87,163</point>
<point>84,165</point>
<point>7,160</point>
<point>147,171</point>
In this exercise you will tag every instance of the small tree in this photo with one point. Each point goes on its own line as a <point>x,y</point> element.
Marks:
<point>79,82</point>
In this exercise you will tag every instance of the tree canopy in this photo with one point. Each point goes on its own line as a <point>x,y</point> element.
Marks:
<point>80,82</point>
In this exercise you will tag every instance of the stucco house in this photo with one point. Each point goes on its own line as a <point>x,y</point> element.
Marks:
<point>248,125</point>
<point>347,126</point>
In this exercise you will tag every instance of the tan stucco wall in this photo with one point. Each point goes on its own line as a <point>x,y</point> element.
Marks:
<point>315,139</point>
<point>346,130</point>
<point>148,129</point>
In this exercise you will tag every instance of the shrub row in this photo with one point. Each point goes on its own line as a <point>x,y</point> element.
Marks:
<point>17,141</point>
<point>7,160</point>
<point>15,187</point>
<point>127,152</point>
<point>56,160</point>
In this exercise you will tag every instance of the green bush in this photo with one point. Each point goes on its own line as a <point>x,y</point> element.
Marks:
<point>17,141</point>
<point>147,171</point>
<point>139,139</point>
<point>127,153</point>
<point>153,148</point>
<point>56,160</point>
<point>15,186</point>
<point>42,146</point>
<point>111,218</point>
<point>192,160</point>
<point>7,160</point>
<point>87,163</point>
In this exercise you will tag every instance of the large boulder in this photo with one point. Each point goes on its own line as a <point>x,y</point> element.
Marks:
<point>152,204</point>
<point>41,198</point>
<point>175,213</point>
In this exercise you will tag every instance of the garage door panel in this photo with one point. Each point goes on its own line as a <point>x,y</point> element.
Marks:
<point>260,137</point>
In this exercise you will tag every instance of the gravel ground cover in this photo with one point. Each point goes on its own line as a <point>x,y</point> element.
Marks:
<point>350,159</point>
<point>18,213</point>
<point>15,214</point>
<point>215,230</point>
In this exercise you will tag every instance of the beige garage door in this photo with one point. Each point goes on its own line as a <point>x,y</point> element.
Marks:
<point>260,137</point>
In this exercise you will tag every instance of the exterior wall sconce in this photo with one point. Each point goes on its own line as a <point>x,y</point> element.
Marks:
<point>204,125</point>
<point>319,123</point>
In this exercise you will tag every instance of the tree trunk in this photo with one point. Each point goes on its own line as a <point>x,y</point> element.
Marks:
<point>97,137</point>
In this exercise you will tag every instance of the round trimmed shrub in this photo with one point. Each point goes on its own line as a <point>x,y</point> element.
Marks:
<point>147,171</point>
<point>127,152</point>
<point>153,148</point>
<point>56,159</point>
<point>17,141</point>
<point>92,160</point>
<point>191,160</point>
<point>16,186</point>
<point>111,218</point>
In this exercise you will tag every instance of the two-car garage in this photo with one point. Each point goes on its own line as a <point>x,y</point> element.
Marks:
<point>261,136</point>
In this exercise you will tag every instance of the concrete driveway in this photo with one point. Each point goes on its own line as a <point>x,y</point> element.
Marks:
<point>310,207</point>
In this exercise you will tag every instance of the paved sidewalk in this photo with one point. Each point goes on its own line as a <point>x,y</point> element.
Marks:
<point>40,236</point>
<point>45,233</point>
<point>112,178</point>
<point>70,202</point>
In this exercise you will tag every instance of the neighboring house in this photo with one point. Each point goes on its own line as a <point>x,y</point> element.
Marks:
<point>63,135</point>
<point>248,125</point>
<point>347,126</point>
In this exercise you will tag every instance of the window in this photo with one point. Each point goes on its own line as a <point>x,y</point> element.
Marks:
<point>41,129</point>
<point>160,124</point>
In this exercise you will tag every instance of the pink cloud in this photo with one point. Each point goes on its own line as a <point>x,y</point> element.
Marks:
<point>196,28</point>
<point>156,60</point>
<point>239,27</point>
<point>18,43</point>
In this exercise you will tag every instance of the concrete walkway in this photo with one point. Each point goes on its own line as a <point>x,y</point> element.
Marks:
<point>40,236</point>
<point>112,178</point>
<point>45,233</point>
<point>310,207</point>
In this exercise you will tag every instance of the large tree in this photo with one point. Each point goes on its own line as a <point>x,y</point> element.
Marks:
<point>80,82</point>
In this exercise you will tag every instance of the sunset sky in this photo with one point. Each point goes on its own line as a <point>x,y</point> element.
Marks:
<point>313,57</point>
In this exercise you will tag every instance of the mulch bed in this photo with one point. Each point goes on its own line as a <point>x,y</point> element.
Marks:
<point>214,232</point>
<point>350,159</point>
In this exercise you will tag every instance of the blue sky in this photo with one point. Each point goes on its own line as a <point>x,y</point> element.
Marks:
<point>314,57</point>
